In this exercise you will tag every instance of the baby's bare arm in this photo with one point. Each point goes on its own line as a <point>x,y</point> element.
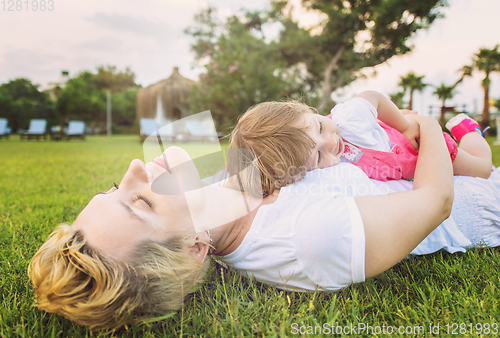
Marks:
<point>390,114</point>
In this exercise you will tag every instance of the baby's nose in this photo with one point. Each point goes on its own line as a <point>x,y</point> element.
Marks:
<point>332,144</point>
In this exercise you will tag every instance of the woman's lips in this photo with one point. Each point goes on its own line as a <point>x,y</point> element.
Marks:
<point>161,162</point>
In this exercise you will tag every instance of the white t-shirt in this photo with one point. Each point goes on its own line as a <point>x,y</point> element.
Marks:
<point>312,237</point>
<point>357,123</point>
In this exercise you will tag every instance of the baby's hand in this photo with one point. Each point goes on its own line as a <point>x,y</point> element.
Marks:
<point>412,133</point>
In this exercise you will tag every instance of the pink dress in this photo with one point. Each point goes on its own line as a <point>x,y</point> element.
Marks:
<point>397,164</point>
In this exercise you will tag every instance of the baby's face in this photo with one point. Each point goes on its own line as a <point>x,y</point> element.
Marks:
<point>329,145</point>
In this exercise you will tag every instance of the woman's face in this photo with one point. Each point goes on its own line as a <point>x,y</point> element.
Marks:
<point>115,221</point>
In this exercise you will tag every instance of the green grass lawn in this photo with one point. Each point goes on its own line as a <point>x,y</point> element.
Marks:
<point>45,183</point>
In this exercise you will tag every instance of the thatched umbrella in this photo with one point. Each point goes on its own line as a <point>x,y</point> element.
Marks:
<point>165,100</point>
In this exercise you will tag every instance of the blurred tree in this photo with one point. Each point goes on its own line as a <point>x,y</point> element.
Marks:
<point>311,62</point>
<point>21,101</point>
<point>108,77</point>
<point>353,34</point>
<point>397,98</point>
<point>241,67</point>
<point>487,60</point>
<point>84,98</point>
<point>410,82</point>
<point>466,71</point>
<point>81,100</point>
<point>444,93</point>
<point>124,111</point>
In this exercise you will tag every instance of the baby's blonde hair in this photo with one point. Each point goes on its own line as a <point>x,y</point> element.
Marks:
<point>281,149</point>
<point>75,281</point>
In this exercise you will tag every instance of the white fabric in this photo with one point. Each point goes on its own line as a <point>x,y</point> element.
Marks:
<point>476,208</point>
<point>312,236</point>
<point>446,236</point>
<point>357,122</point>
<point>475,216</point>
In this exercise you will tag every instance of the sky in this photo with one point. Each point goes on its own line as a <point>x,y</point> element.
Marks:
<point>148,36</point>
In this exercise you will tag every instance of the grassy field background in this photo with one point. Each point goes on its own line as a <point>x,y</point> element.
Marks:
<point>44,183</point>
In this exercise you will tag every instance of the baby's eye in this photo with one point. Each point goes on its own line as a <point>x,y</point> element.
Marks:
<point>320,127</point>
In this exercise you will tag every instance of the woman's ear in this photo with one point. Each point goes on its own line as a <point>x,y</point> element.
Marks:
<point>200,247</point>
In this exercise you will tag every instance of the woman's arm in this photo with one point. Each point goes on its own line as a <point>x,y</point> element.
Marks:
<point>396,223</point>
<point>390,114</point>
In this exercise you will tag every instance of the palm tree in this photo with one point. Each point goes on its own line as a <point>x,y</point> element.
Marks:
<point>397,98</point>
<point>412,82</point>
<point>444,92</point>
<point>466,71</point>
<point>487,60</point>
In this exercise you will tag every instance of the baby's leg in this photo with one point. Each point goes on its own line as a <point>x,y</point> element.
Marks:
<point>473,156</point>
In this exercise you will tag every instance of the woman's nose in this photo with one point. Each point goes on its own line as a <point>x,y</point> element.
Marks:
<point>136,173</point>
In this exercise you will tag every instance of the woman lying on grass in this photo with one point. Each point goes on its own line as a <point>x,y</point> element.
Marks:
<point>134,251</point>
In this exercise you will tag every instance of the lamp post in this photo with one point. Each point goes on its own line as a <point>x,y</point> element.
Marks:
<point>108,112</point>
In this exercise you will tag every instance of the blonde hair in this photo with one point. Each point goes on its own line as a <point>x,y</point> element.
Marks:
<point>281,149</point>
<point>77,282</point>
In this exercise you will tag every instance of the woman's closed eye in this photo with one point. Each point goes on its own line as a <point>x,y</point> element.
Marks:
<point>145,200</point>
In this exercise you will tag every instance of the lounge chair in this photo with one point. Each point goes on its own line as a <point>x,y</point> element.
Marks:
<point>200,131</point>
<point>149,126</point>
<point>76,129</point>
<point>196,131</point>
<point>36,130</point>
<point>4,130</point>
